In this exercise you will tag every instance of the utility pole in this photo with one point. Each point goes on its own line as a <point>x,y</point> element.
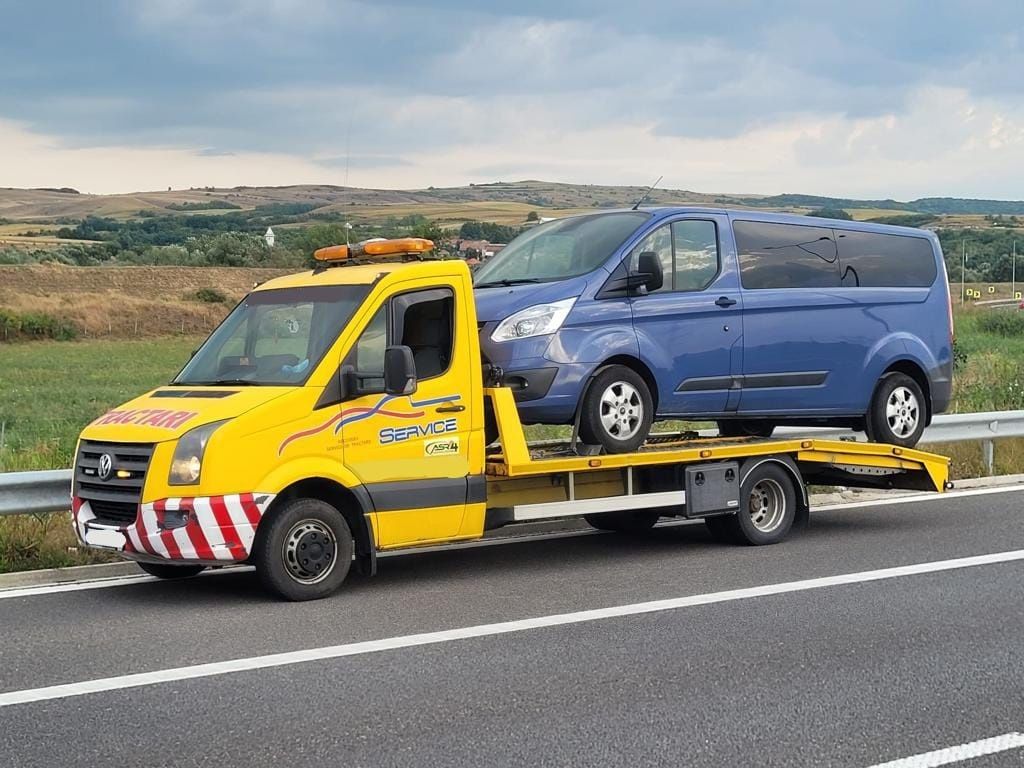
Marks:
<point>963,274</point>
<point>1013,271</point>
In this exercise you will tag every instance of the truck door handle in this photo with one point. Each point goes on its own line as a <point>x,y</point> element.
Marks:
<point>725,301</point>
<point>450,409</point>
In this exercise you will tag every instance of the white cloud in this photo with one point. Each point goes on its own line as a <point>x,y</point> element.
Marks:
<point>944,143</point>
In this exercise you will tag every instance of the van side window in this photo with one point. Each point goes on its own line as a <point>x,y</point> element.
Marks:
<point>659,242</point>
<point>424,322</point>
<point>688,252</point>
<point>695,242</point>
<point>776,255</point>
<point>874,260</point>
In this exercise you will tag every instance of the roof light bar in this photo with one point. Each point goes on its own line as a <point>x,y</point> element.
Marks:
<point>401,246</point>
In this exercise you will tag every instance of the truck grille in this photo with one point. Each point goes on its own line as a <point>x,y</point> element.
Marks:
<point>115,499</point>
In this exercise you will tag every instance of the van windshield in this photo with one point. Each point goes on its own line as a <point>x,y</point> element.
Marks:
<point>560,249</point>
<point>274,337</point>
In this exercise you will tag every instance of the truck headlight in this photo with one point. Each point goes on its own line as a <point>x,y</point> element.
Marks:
<point>187,462</point>
<point>537,320</point>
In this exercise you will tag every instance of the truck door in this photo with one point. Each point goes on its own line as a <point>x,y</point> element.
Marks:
<point>690,329</point>
<point>411,452</point>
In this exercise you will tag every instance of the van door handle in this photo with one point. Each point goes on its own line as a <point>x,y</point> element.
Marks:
<point>450,409</point>
<point>725,301</point>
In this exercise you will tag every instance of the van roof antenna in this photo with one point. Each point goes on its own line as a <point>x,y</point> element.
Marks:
<point>646,194</point>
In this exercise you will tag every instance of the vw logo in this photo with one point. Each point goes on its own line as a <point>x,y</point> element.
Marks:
<point>106,467</point>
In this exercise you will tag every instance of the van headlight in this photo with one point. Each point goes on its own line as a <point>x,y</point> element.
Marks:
<point>187,462</point>
<point>537,320</point>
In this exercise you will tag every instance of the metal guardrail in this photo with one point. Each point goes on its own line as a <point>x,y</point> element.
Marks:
<point>36,493</point>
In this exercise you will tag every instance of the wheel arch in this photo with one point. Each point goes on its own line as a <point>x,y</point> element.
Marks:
<point>637,366</point>
<point>803,507</point>
<point>352,503</point>
<point>916,371</point>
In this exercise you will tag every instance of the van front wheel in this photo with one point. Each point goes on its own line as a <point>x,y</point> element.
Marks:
<point>617,410</point>
<point>305,551</point>
<point>897,411</point>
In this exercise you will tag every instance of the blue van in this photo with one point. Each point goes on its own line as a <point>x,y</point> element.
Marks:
<point>620,318</point>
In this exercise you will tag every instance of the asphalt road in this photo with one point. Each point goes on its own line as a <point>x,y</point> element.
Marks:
<point>849,674</point>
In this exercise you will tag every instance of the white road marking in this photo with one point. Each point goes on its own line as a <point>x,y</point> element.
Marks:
<point>959,753</point>
<point>122,581</point>
<point>484,630</point>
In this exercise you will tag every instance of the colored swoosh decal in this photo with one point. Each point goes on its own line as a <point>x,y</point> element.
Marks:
<point>352,415</point>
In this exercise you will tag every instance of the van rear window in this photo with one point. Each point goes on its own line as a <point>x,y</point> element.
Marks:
<point>774,255</point>
<point>873,260</point>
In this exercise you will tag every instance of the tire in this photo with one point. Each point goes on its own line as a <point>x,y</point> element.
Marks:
<point>767,506</point>
<point>303,526</point>
<point>897,412</point>
<point>617,410</point>
<point>623,522</point>
<point>745,428</point>
<point>169,571</point>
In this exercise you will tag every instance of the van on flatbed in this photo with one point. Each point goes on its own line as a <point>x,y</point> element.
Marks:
<point>341,411</point>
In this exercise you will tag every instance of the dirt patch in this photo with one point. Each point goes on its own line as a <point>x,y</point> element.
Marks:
<point>127,302</point>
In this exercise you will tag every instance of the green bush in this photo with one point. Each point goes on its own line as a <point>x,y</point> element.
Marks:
<point>35,325</point>
<point>1002,323</point>
<point>209,295</point>
<point>40,325</point>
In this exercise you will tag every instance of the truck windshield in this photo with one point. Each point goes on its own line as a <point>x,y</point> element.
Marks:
<point>274,337</point>
<point>560,249</point>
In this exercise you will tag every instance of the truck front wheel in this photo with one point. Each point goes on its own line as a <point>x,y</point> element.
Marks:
<point>305,551</point>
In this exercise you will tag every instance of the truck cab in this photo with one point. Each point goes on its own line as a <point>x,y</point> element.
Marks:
<point>357,383</point>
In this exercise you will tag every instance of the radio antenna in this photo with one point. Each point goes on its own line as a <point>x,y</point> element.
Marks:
<point>646,194</point>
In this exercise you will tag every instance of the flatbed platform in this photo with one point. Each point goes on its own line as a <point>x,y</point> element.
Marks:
<point>536,482</point>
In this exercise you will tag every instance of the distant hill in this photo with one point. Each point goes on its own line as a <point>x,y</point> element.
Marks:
<point>499,201</point>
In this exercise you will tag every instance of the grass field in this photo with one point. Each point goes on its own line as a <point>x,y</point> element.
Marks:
<point>50,390</point>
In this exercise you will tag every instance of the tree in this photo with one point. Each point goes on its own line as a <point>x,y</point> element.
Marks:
<point>831,213</point>
<point>532,216</point>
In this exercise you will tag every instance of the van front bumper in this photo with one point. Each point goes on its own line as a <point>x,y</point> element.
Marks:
<point>212,530</point>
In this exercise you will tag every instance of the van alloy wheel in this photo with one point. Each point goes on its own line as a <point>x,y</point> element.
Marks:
<point>902,411</point>
<point>622,410</point>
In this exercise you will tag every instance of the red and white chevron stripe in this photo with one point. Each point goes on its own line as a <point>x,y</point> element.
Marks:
<point>218,528</point>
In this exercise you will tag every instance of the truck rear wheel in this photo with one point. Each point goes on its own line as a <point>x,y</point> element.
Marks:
<point>767,507</point>
<point>623,522</point>
<point>171,571</point>
<point>617,410</point>
<point>305,551</point>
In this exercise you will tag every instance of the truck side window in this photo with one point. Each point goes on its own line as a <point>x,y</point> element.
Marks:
<point>368,352</point>
<point>424,322</point>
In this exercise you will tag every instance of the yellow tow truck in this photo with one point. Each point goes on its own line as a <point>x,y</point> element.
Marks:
<point>341,411</point>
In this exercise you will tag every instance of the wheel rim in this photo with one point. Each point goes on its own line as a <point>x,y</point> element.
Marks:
<point>902,412</point>
<point>767,505</point>
<point>622,410</point>
<point>309,551</point>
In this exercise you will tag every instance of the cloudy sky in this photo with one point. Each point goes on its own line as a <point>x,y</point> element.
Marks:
<point>868,99</point>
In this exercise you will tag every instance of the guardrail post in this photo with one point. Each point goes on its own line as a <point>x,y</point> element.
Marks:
<point>988,452</point>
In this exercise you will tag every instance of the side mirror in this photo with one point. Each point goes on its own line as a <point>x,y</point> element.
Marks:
<point>649,265</point>
<point>399,371</point>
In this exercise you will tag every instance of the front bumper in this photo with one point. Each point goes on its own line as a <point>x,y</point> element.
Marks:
<point>212,530</point>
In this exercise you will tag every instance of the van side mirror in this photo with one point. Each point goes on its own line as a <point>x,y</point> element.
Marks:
<point>399,371</point>
<point>649,265</point>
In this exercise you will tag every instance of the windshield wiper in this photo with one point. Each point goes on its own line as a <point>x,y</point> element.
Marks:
<point>219,383</point>
<point>508,281</point>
